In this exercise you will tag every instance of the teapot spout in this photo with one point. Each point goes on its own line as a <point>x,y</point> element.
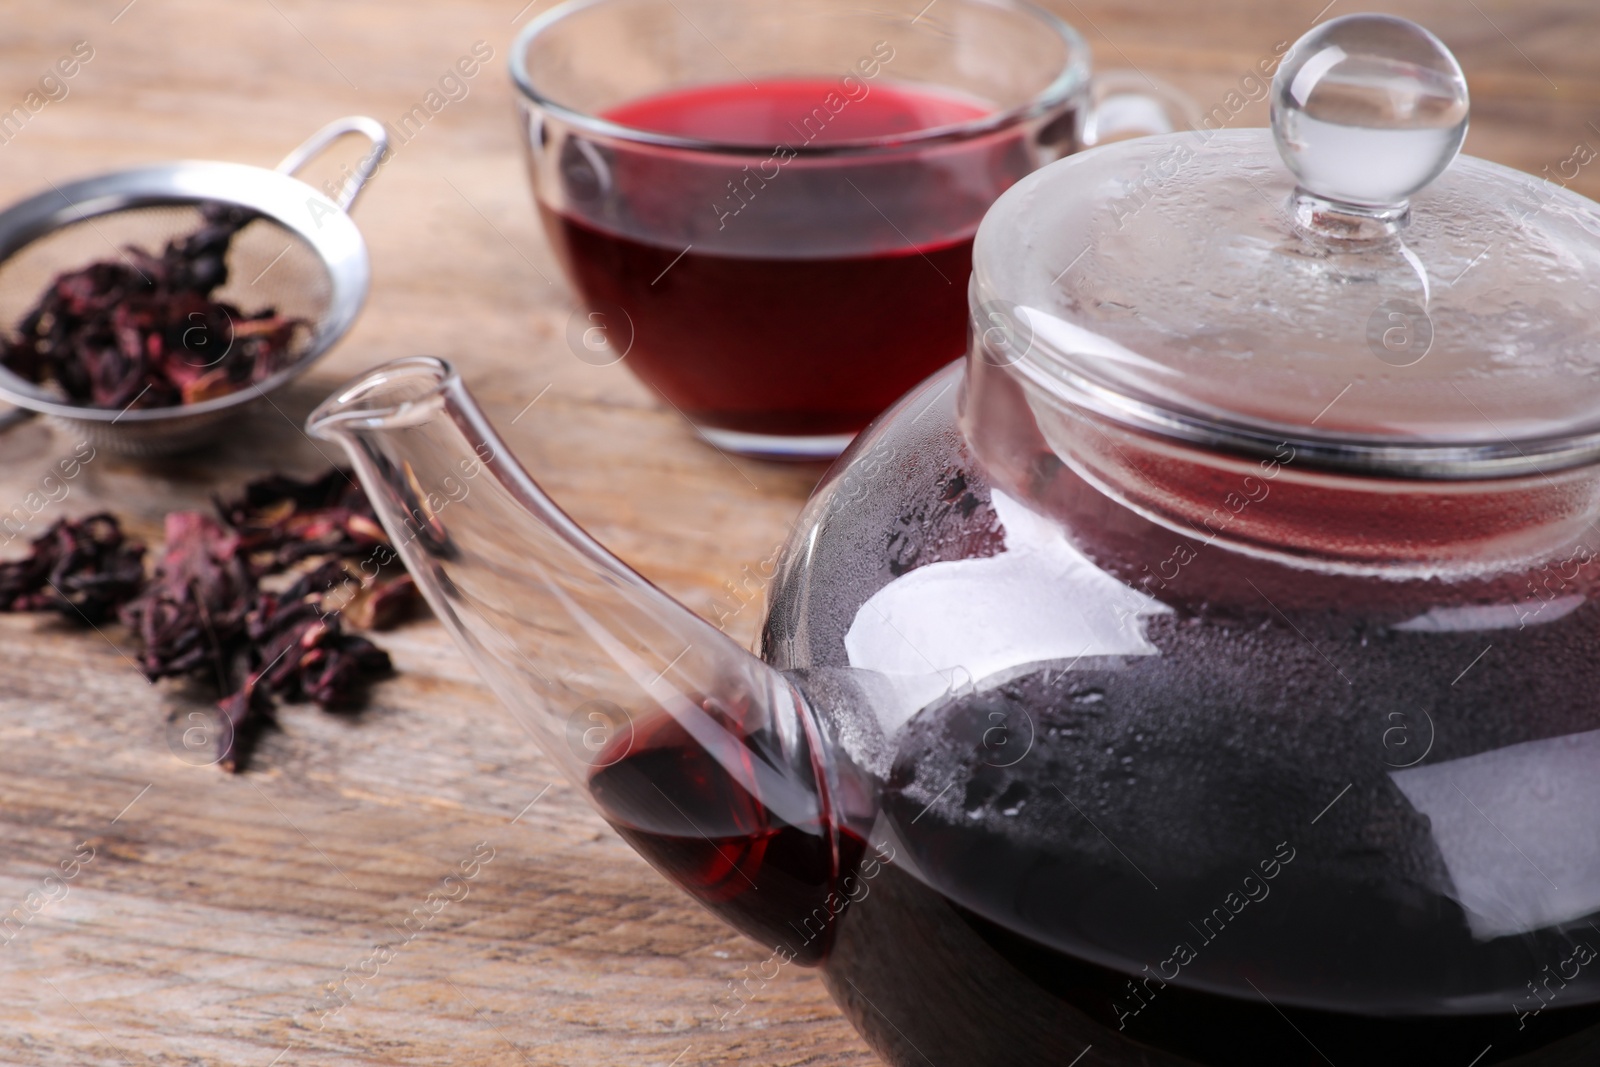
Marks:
<point>703,757</point>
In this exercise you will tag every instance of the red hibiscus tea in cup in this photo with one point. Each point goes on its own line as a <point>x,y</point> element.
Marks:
<point>775,296</point>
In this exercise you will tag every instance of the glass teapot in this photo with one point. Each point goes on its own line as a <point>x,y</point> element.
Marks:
<point>1202,673</point>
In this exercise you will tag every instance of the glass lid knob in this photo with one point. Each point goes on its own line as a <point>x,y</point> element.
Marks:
<point>1366,111</point>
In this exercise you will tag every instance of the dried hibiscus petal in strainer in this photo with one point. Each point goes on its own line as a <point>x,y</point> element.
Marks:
<point>146,331</point>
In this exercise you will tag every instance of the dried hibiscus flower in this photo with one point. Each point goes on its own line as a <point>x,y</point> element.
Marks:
<point>254,601</point>
<point>82,568</point>
<point>146,332</point>
<point>192,610</point>
<point>295,551</point>
<point>291,520</point>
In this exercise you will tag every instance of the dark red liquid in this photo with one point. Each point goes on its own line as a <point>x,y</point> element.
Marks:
<point>918,969</point>
<point>783,111</point>
<point>777,294</point>
<point>1022,942</point>
<point>706,830</point>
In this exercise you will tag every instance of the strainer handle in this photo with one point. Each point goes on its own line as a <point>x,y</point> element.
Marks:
<point>371,129</point>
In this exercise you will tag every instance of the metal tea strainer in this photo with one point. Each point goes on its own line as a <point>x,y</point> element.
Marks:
<point>300,253</point>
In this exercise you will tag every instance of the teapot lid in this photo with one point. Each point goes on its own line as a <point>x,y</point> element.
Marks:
<point>1342,282</point>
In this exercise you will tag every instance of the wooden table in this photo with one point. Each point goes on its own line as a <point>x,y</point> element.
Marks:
<point>216,908</point>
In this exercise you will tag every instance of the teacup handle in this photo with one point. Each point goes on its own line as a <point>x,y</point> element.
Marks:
<point>1125,103</point>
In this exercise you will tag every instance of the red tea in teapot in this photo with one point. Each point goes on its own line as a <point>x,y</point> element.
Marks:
<point>1023,896</point>
<point>779,294</point>
<point>1193,870</point>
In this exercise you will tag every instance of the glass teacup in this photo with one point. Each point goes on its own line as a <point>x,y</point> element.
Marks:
<point>768,209</point>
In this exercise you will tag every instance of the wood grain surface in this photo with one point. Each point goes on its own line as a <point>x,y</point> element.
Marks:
<point>217,910</point>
